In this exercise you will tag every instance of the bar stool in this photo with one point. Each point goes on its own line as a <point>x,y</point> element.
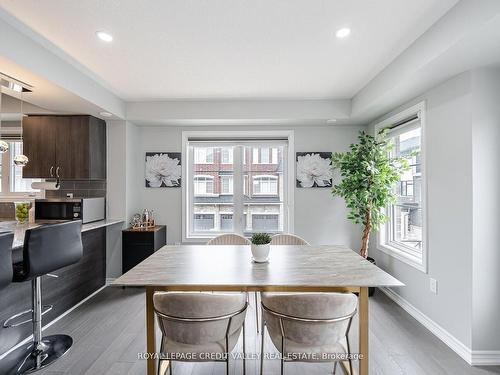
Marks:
<point>6,239</point>
<point>46,249</point>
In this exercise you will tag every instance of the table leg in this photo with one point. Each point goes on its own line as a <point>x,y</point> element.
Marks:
<point>363,330</point>
<point>150,331</point>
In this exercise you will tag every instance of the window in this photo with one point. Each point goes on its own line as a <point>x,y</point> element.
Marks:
<point>265,155</point>
<point>227,155</point>
<point>226,183</point>
<point>233,195</point>
<point>204,155</point>
<point>226,222</point>
<point>12,181</point>
<point>203,185</point>
<point>263,222</point>
<point>403,235</point>
<point>265,185</point>
<point>204,222</point>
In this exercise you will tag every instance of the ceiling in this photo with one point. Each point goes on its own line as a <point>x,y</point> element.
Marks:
<point>222,49</point>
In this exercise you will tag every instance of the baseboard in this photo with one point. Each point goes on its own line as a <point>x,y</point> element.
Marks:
<point>485,357</point>
<point>109,280</point>
<point>29,338</point>
<point>453,343</point>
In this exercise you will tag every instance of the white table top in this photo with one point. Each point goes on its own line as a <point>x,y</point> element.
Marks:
<point>230,267</point>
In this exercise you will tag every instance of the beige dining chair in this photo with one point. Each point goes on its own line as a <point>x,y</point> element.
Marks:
<point>236,239</point>
<point>287,239</point>
<point>229,239</point>
<point>309,327</point>
<point>200,326</point>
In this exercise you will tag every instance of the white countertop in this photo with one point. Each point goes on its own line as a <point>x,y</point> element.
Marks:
<point>20,229</point>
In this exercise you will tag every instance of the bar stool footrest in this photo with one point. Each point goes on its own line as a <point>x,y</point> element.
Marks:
<point>8,323</point>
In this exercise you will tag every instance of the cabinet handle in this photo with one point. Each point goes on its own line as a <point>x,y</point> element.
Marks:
<point>57,172</point>
<point>52,171</point>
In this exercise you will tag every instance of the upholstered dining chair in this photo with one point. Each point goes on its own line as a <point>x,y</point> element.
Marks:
<point>287,239</point>
<point>309,327</point>
<point>200,326</point>
<point>236,239</point>
<point>229,239</point>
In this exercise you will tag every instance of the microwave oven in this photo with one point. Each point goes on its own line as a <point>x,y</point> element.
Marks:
<point>85,209</point>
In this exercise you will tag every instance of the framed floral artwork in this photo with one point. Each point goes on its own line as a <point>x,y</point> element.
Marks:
<point>163,169</point>
<point>314,169</point>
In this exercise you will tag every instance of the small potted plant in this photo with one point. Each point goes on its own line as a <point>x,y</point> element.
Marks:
<point>260,247</point>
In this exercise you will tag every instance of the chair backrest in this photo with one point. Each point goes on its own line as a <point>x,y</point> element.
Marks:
<point>6,258</point>
<point>229,239</point>
<point>217,309</point>
<point>287,239</point>
<point>309,306</point>
<point>50,247</point>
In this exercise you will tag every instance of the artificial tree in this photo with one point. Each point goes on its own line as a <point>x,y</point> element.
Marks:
<point>368,176</point>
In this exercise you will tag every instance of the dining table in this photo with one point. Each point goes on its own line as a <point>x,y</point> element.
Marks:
<point>228,268</point>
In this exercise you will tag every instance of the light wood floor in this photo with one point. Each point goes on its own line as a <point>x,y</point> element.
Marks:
<point>109,333</point>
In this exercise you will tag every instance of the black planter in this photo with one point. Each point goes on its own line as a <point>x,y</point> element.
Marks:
<point>371,290</point>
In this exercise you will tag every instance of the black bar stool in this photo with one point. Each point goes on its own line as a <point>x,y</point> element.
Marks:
<point>6,239</point>
<point>46,249</point>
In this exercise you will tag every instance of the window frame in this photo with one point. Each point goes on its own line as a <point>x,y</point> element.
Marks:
<point>205,178</point>
<point>272,155</point>
<point>286,136</point>
<point>205,161</point>
<point>229,155</point>
<point>268,177</point>
<point>383,243</point>
<point>231,184</point>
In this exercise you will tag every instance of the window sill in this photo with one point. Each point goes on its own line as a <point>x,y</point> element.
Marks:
<point>404,257</point>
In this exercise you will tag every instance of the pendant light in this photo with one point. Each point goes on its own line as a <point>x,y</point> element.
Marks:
<point>4,146</point>
<point>21,160</point>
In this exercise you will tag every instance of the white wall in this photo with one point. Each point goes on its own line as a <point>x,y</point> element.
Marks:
<point>449,212</point>
<point>486,182</point>
<point>318,217</point>
<point>461,144</point>
<point>121,190</point>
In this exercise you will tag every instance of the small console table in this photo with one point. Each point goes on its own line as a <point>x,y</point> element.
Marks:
<point>140,243</point>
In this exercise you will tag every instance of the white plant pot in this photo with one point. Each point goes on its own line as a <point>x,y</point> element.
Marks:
<point>260,253</point>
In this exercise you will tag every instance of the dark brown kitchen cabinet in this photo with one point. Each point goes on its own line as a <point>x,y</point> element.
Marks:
<point>73,147</point>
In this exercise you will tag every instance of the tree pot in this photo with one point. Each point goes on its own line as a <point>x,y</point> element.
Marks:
<point>371,290</point>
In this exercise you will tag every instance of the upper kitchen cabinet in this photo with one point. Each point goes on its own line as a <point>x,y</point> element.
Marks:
<point>71,147</point>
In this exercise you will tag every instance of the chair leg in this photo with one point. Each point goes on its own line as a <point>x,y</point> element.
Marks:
<point>262,348</point>
<point>244,350</point>
<point>256,312</point>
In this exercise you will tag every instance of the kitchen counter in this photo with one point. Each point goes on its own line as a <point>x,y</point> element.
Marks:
<point>20,229</point>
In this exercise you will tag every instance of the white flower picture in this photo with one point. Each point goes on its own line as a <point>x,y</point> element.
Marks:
<point>163,169</point>
<point>314,169</point>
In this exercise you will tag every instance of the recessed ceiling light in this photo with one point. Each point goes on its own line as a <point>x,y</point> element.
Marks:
<point>105,114</point>
<point>343,32</point>
<point>104,36</point>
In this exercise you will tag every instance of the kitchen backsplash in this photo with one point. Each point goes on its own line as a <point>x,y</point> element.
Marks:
<point>79,188</point>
